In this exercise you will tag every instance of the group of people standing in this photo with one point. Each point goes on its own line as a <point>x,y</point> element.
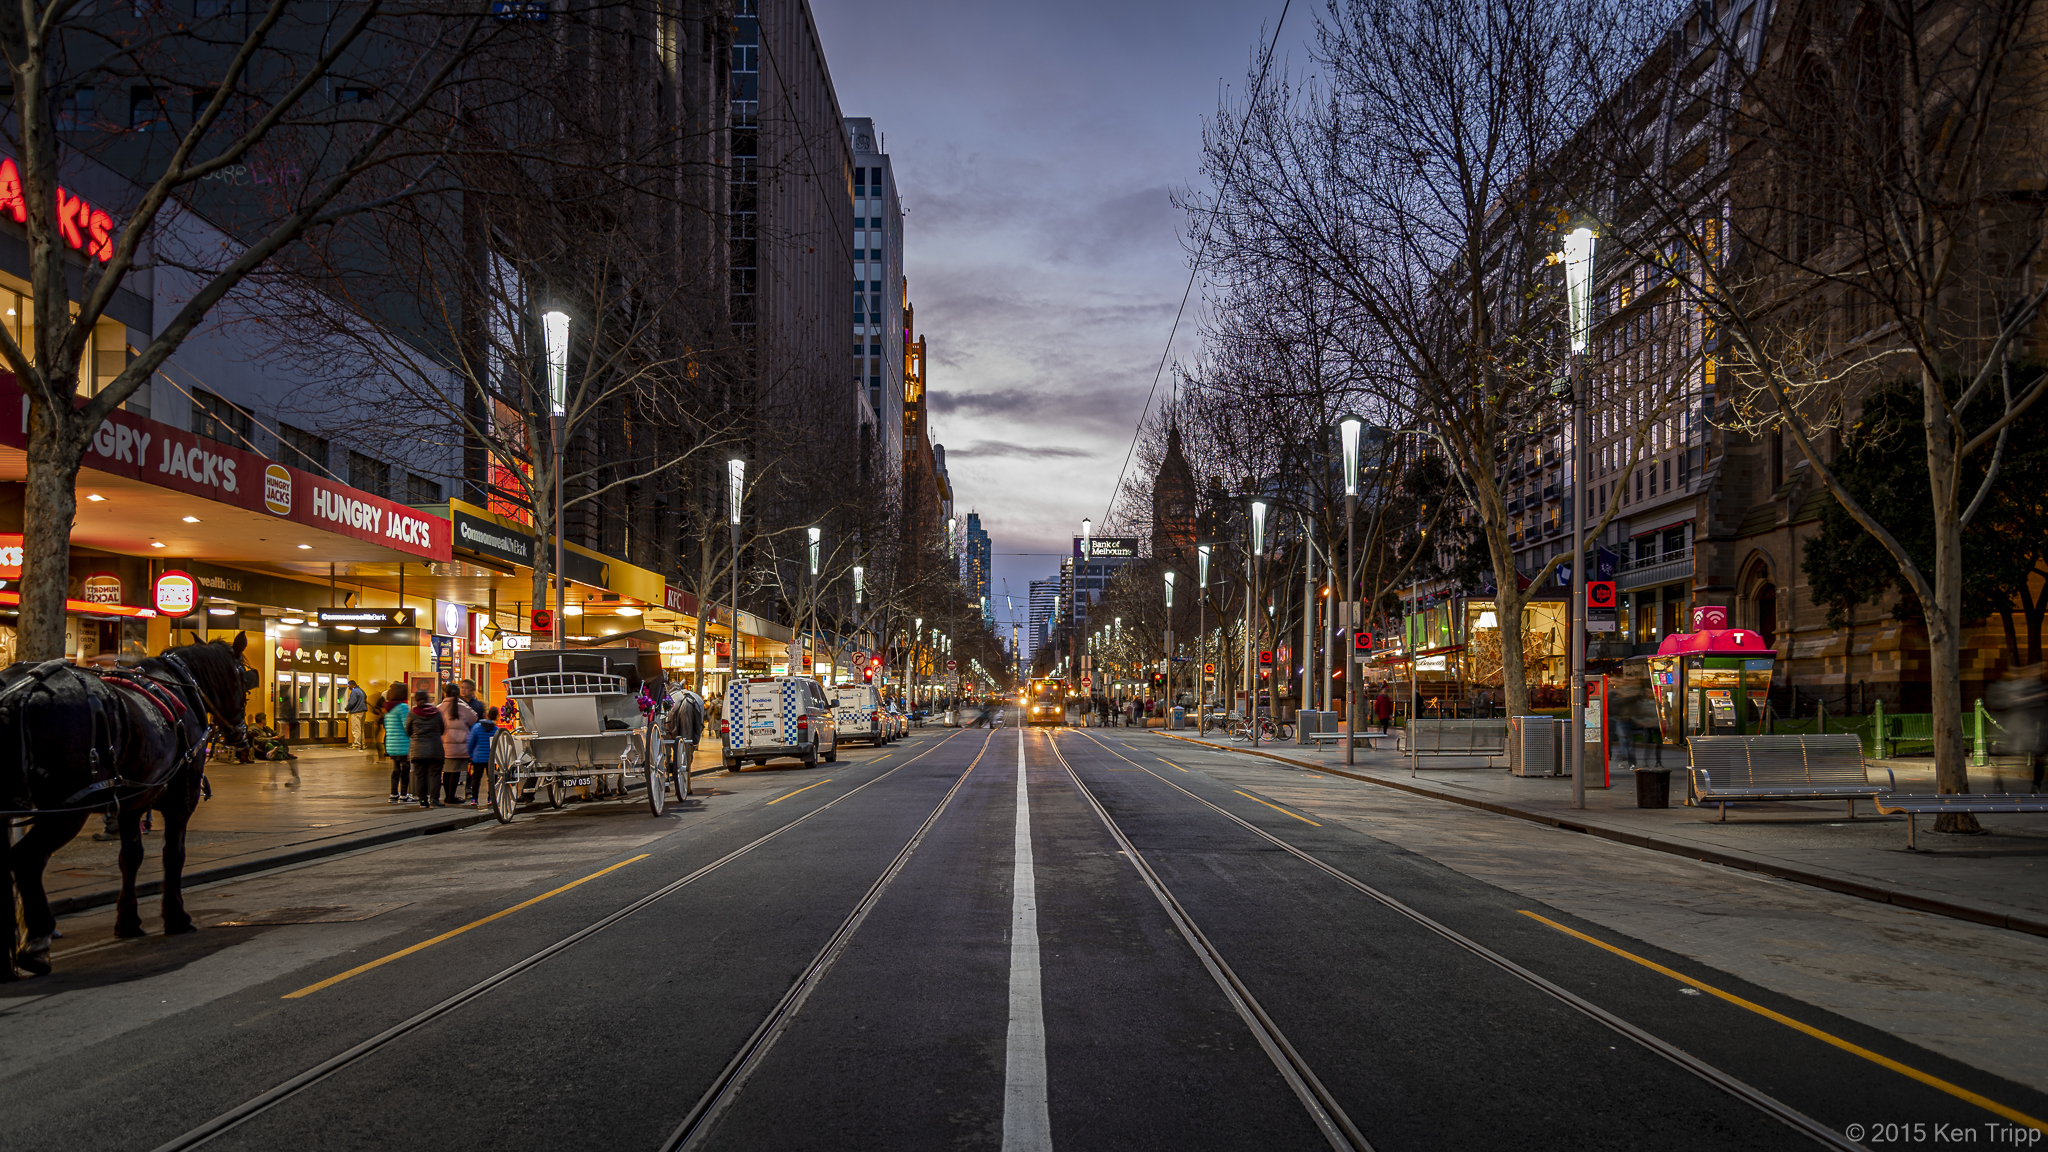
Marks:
<point>440,752</point>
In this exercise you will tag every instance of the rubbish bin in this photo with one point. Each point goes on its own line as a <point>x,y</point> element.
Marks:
<point>1653,787</point>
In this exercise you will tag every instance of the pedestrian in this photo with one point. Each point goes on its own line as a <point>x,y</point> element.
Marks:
<point>456,720</point>
<point>1649,729</point>
<point>1624,726</point>
<point>1383,710</point>
<point>287,709</point>
<point>479,756</point>
<point>354,707</point>
<point>423,728</point>
<point>2023,698</point>
<point>476,703</point>
<point>397,744</point>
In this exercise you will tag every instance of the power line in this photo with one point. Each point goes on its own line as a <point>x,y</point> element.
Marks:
<point>1195,265</point>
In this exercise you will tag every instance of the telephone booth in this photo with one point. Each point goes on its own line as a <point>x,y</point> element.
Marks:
<point>1712,683</point>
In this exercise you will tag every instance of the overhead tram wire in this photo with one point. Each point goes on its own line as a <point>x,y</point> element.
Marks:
<point>1195,266</point>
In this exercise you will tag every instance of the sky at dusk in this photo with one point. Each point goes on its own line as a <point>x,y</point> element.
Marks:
<point>1036,148</point>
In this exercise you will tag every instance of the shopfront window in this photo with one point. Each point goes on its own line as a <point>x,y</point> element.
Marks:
<point>1546,652</point>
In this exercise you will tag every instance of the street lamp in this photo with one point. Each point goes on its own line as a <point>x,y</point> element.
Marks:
<point>1202,635</point>
<point>1074,601</point>
<point>554,327</point>
<point>1579,244</point>
<point>736,486</point>
<point>1169,638</point>
<point>1349,429</point>
<point>815,535</point>
<point>1257,506</point>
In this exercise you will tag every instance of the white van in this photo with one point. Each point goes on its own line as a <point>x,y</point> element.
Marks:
<point>857,714</point>
<point>777,716</point>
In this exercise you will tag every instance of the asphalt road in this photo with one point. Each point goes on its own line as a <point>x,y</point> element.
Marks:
<point>880,953</point>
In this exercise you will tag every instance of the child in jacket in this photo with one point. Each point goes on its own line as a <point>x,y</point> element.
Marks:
<point>480,735</point>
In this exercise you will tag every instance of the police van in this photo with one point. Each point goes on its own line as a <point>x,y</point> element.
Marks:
<point>857,714</point>
<point>773,716</point>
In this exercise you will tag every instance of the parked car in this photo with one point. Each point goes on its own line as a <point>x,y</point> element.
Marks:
<point>857,714</point>
<point>773,716</point>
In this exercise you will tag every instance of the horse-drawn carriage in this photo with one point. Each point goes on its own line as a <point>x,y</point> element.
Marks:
<point>586,724</point>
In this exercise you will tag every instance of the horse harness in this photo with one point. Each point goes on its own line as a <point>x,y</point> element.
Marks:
<point>167,697</point>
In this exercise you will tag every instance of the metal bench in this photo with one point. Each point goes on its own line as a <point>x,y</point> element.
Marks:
<point>1725,769</point>
<point>1914,805</point>
<point>1455,737</point>
<point>1366,738</point>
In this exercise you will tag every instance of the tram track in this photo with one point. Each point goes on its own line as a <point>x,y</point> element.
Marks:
<point>1306,1086</point>
<point>257,1105</point>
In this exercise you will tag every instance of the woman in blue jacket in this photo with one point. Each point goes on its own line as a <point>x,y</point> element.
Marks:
<point>480,734</point>
<point>397,744</point>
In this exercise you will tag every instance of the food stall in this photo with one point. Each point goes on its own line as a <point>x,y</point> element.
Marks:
<point>1714,682</point>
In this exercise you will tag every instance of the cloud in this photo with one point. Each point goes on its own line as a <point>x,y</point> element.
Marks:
<point>988,448</point>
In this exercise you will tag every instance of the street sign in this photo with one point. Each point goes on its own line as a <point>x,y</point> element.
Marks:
<point>860,657</point>
<point>1361,642</point>
<point>1599,593</point>
<point>1265,657</point>
<point>952,665</point>
<point>1086,681</point>
<point>1602,612</point>
<point>543,620</point>
<point>1208,669</point>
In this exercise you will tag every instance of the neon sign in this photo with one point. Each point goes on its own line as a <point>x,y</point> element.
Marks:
<point>83,226</point>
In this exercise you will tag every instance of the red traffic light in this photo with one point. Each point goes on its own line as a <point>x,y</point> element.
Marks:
<point>1599,593</point>
<point>543,620</point>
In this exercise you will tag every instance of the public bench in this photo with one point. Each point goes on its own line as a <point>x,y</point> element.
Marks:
<point>1455,737</point>
<point>1366,738</point>
<point>1725,769</point>
<point>1914,805</point>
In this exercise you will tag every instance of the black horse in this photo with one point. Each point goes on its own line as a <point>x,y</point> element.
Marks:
<point>75,741</point>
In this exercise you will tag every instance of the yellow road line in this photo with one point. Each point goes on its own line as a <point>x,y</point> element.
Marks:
<point>805,788</point>
<point>1931,1081</point>
<point>1164,760</point>
<point>1277,808</point>
<point>331,981</point>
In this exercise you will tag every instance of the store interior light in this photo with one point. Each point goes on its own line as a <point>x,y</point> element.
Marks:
<point>1487,620</point>
<point>344,627</point>
<point>572,609</point>
<point>628,610</point>
<point>220,611</point>
<point>190,519</point>
<point>94,497</point>
<point>156,543</point>
<point>291,619</point>
<point>306,546</point>
<point>366,631</point>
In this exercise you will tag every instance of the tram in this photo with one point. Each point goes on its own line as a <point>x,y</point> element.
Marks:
<point>1045,702</point>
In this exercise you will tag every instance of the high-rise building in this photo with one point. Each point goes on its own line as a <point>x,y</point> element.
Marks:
<point>880,321</point>
<point>1044,609</point>
<point>979,560</point>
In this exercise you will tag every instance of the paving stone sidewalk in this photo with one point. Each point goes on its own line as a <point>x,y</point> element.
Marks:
<point>1999,877</point>
<point>259,818</point>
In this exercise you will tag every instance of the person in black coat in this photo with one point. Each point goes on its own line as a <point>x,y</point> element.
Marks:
<point>424,727</point>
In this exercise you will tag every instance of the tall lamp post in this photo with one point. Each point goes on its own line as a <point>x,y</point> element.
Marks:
<point>1578,279</point>
<point>1074,602</point>
<point>1202,632</point>
<point>1169,640</point>
<point>815,534</point>
<point>554,328</point>
<point>1257,506</point>
<point>1349,428</point>
<point>736,487</point>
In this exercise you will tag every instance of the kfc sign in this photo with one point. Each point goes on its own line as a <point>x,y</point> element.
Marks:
<point>83,226</point>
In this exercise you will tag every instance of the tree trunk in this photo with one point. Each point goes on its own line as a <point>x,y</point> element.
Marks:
<point>51,503</point>
<point>1944,615</point>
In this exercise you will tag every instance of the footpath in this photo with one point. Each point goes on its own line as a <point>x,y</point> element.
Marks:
<point>259,819</point>
<point>1999,877</point>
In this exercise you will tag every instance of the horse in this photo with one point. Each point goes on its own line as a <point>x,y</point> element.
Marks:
<point>683,724</point>
<point>74,741</point>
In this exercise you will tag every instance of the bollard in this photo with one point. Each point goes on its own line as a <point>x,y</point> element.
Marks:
<point>1980,750</point>
<point>1877,731</point>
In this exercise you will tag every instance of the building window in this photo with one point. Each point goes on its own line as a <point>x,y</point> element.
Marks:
<point>207,9</point>
<point>369,474</point>
<point>301,449</point>
<point>218,418</point>
<point>75,113</point>
<point>354,95</point>
<point>420,490</point>
<point>145,112</point>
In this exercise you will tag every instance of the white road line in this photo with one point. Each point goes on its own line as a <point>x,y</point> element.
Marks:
<point>1027,1126</point>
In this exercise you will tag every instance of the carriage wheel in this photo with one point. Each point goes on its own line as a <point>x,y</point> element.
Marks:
<point>680,770</point>
<point>505,798</point>
<point>657,789</point>
<point>554,787</point>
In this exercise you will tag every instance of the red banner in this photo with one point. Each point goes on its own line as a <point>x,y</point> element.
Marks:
<point>148,450</point>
